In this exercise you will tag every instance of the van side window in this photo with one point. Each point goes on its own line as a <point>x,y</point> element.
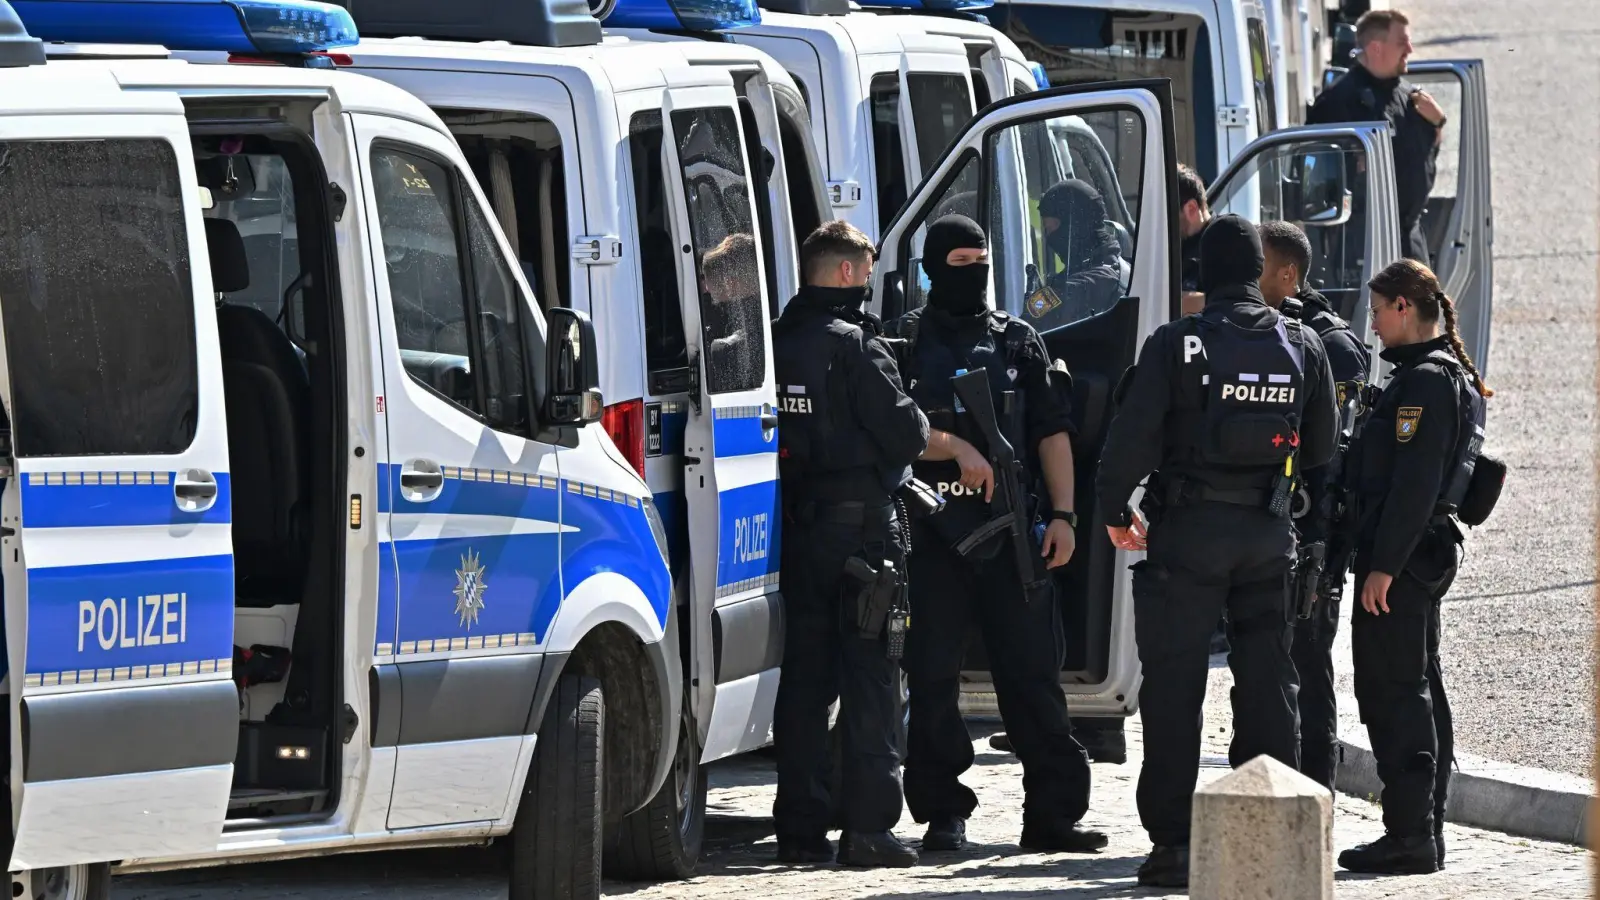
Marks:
<point>759,160</point>
<point>803,189</point>
<point>97,298</point>
<point>455,303</point>
<point>888,159</point>
<point>663,312</point>
<point>732,312</point>
<point>941,107</point>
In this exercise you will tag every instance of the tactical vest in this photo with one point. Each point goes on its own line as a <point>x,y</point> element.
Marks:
<point>1255,393</point>
<point>1471,413</point>
<point>818,434</point>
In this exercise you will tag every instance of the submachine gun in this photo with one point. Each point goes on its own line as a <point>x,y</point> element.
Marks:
<point>1321,565</point>
<point>1010,501</point>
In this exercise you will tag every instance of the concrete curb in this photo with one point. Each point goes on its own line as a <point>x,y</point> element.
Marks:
<point>1499,796</point>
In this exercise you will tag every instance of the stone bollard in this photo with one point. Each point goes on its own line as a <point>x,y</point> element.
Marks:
<point>1262,831</point>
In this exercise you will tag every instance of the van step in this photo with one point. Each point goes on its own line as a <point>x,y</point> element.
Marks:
<point>243,798</point>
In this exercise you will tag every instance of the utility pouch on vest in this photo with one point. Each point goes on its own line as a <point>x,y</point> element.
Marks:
<point>1483,490</point>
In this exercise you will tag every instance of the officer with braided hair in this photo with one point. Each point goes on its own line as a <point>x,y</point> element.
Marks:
<point>1409,471</point>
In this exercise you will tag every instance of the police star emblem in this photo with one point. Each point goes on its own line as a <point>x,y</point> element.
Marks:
<point>470,587</point>
<point>1041,302</point>
<point>1406,422</point>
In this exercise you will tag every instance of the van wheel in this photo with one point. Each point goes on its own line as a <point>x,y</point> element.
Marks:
<point>662,841</point>
<point>87,882</point>
<point>555,839</point>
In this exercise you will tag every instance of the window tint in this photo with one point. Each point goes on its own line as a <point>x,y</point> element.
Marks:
<point>732,311</point>
<point>97,298</point>
<point>663,312</point>
<point>1266,93</point>
<point>980,89</point>
<point>803,187</point>
<point>1078,44</point>
<point>941,106</point>
<point>1317,185</point>
<point>888,159</point>
<point>456,316</point>
<point>759,161</point>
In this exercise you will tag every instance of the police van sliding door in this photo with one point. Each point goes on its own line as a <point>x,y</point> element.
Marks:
<point>731,441</point>
<point>1005,161</point>
<point>118,559</point>
<point>1337,184</point>
<point>1459,220</point>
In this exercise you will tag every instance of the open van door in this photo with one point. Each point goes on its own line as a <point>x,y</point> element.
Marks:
<point>731,439</point>
<point>118,555</point>
<point>990,157</point>
<point>1459,219</point>
<point>1337,183</point>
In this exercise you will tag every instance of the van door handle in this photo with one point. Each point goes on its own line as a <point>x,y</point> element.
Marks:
<point>421,480</point>
<point>769,421</point>
<point>194,490</point>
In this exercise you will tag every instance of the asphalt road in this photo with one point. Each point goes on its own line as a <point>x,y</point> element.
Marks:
<point>1519,623</point>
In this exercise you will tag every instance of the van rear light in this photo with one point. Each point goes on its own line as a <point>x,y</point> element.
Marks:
<point>625,423</point>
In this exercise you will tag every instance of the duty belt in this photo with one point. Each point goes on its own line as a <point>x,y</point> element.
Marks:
<point>850,512</point>
<point>1184,491</point>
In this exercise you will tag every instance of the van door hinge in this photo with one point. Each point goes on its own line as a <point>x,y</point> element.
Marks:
<point>1233,116</point>
<point>597,250</point>
<point>844,194</point>
<point>337,196</point>
<point>348,722</point>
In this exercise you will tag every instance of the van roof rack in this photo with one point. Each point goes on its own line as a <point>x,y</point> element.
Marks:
<point>535,23</point>
<point>17,47</point>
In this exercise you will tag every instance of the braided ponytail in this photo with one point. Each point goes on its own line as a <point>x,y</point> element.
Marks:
<point>1447,309</point>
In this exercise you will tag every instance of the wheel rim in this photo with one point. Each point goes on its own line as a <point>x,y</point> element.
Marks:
<point>683,770</point>
<point>65,883</point>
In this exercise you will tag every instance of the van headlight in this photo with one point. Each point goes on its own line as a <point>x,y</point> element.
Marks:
<point>657,527</point>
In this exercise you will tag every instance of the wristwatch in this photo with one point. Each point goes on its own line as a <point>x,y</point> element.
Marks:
<point>1071,518</point>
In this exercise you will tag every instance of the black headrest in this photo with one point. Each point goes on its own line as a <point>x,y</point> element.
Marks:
<point>230,270</point>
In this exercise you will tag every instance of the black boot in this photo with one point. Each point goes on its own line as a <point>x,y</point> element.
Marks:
<point>1104,745</point>
<point>1060,837</point>
<point>1438,848</point>
<point>1166,866</point>
<point>945,834</point>
<point>804,851</point>
<point>877,850</point>
<point>1000,742</point>
<point>1390,855</point>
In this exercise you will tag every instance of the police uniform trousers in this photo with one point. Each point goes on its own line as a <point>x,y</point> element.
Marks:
<point>1206,559</point>
<point>1025,648</point>
<point>1400,689</point>
<point>826,659</point>
<point>1319,711</point>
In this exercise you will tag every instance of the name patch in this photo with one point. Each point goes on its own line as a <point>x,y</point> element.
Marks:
<point>1257,393</point>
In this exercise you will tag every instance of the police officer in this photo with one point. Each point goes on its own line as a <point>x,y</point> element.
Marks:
<point>1373,90</point>
<point>950,593</point>
<point>1287,254</point>
<point>1221,405</point>
<point>847,436</point>
<point>1194,212</point>
<point>1404,473</point>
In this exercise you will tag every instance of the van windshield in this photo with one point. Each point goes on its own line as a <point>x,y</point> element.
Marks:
<point>1078,44</point>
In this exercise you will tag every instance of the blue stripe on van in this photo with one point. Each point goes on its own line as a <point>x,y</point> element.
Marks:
<point>611,537</point>
<point>135,614</point>
<point>740,435</point>
<point>747,547</point>
<point>64,505</point>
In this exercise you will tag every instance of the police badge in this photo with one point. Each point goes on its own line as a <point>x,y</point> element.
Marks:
<point>470,588</point>
<point>1405,423</point>
<point>1041,302</point>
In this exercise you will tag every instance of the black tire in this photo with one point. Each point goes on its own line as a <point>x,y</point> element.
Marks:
<point>662,842</point>
<point>86,882</point>
<point>555,840</point>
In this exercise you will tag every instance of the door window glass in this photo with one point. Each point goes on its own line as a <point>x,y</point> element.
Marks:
<point>941,106</point>
<point>455,302</point>
<point>1445,88</point>
<point>760,162</point>
<point>1318,185</point>
<point>658,267</point>
<point>888,156</point>
<point>727,263</point>
<point>1266,93</point>
<point>97,298</point>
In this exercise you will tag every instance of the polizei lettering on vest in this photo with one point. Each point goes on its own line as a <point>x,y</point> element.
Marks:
<point>1255,393</point>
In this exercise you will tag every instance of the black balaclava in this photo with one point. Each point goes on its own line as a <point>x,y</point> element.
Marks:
<point>1230,254</point>
<point>1084,236</point>
<point>957,290</point>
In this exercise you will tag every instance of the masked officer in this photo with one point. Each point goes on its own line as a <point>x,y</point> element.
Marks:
<point>1221,405</point>
<point>847,436</point>
<point>1410,470</point>
<point>1288,258</point>
<point>958,331</point>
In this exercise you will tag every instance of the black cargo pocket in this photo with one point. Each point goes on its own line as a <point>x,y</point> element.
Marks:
<point>1434,562</point>
<point>1150,610</point>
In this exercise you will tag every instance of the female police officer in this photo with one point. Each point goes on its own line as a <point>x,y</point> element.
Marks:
<point>1406,472</point>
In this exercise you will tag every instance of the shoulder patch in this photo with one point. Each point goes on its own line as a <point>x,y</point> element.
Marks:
<point>1406,422</point>
<point>1041,302</point>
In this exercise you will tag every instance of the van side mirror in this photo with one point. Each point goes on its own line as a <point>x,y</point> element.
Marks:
<point>572,370</point>
<point>1323,192</point>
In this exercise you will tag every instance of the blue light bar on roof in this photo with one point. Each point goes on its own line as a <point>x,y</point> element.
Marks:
<point>233,26</point>
<point>932,5</point>
<point>1039,77</point>
<point>684,15</point>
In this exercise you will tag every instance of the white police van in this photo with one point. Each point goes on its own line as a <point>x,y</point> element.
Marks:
<point>272,380</point>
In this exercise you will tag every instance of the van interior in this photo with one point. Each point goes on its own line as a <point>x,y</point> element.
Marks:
<point>270,242</point>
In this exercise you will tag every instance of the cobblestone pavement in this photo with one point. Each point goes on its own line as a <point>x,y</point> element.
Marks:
<point>739,855</point>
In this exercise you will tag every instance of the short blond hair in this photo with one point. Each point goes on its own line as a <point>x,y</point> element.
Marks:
<point>831,244</point>
<point>1376,24</point>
